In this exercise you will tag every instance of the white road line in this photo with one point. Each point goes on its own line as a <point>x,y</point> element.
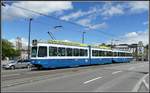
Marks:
<point>147,85</point>
<point>91,80</point>
<point>10,75</point>
<point>116,72</point>
<point>131,68</point>
<point>142,66</point>
<point>137,86</point>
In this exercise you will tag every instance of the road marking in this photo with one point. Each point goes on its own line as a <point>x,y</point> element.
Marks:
<point>142,66</point>
<point>10,75</point>
<point>116,72</point>
<point>92,80</point>
<point>137,86</point>
<point>14,84</point>
<point>147,85</point>
<point>131,68</point>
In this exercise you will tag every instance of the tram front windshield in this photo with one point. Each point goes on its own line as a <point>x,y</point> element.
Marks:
<point>34,52</point>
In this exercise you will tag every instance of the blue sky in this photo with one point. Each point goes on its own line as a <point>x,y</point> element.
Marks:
<point>124,21</point>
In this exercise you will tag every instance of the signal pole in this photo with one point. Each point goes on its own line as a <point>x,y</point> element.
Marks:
<point>29,37</point>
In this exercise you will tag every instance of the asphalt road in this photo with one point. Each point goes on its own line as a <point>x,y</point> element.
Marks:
<point>125,77</point>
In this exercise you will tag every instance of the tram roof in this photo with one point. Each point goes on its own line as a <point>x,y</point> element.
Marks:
<point>75,44</point>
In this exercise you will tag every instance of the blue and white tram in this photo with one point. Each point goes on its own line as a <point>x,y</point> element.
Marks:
<point>54,55</point>
<point>46,55</point>
<point>101,56</point>
<point>121,56</point>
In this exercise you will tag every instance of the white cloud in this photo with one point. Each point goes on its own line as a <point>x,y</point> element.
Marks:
<point>84,22</point>
<point>45,7</point>
<point>145,23</point>
<point>13,41</point>
<point>135,37</point>
<point>138,6</point>
<point>72,15</point>
<point>87,23</point>
<point>79,13</point>
<point>109,10</point>
<point>131,34</point>
<point>66,40</point>
<point>23,41</point>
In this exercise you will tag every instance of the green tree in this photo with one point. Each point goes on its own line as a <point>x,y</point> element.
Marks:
<point>8,50</point>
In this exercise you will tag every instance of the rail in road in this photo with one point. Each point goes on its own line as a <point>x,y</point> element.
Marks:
<point>98,77</point>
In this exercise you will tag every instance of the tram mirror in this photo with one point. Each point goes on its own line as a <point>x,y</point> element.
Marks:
<point>34,42</point>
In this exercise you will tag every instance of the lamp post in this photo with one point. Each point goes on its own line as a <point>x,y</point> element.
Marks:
<point>29,37</point>
<point>2,4</point>
<point>83,37</point>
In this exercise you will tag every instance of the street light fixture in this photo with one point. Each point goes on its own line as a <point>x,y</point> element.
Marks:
<point>50,33</point>
<point>57,27</point>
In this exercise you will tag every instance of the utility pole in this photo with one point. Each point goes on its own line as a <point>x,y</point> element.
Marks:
<point>83,37</point>
<point>2,4</point>
<point>29,37</point>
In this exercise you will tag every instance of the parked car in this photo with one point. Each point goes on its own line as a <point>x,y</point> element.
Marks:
<point>17,64</point>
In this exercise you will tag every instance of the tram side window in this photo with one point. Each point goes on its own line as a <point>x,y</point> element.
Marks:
<point>105,53</point>
<point>119,53</point>
<point>127,54</point>
<point>94,52</point>
<point>52,51</point>
<point>115,53</point>
<point>122,54</point>
<point>61,51</point>
<point>42,51</point>
<point>109,53</point>
<point>69,51</point>
<point>83,52</point>
<point>76,52</point>
<point>101,53</point>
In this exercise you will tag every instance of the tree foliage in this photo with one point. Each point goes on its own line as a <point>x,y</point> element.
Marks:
<point>8,50</point>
